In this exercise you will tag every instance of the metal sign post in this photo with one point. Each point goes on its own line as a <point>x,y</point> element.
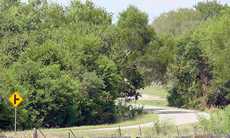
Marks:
<point>15,120</point>
<point>15,100</point>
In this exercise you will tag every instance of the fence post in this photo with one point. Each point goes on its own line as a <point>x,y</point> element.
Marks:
<point>44,136</point>
<point>140,132</point>
<point>35,133</point>
<point>194,131</point>
<point>178,132</point>
<point>72,133</point>
<point>153,131</point>
<point>157,127</point>
<point>119,131</point>
<point>164,129</point>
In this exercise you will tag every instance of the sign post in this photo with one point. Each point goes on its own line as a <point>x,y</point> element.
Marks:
<point>15,100</point>
<point>15,119</point>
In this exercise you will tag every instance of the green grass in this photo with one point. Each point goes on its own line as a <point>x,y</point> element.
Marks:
<point>160,91</point>
<point>152,102</point>
<point>83,131</point>
<point>162,130</point>
<point>141,119</point>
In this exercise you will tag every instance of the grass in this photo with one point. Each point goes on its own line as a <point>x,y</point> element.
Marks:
<point>160,92</point>
<point>152,102</point>
<point>218,123</point>
<point>141,119</point>
<point>155,90</point>
<point>83,131</point>
<point>162,130</point>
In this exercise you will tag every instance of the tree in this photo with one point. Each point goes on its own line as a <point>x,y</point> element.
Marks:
<point>56,59</point>
<point>209,9</point>
<point>154,64</point>
<point>88,13</point>
<point>177,22</point>
<point>182,21</point>
<point>201,70</point>
<point>213,37</point>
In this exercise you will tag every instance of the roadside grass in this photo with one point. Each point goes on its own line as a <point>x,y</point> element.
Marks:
<point>141,119</point>
<point>163,130</point>
<point>83,130</point>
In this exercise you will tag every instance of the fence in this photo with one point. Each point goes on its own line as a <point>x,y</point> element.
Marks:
<point>118,133</point>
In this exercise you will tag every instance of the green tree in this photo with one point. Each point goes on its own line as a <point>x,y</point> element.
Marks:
<point>209,9</point>
<point>213,37</point>
<point>192,76</point>
<point>57,59</point>
<point>177,22</point>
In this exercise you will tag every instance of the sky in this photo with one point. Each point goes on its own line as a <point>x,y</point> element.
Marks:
<point>152,7</point>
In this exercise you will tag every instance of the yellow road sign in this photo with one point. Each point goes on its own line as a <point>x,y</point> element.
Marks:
<point>15,99</point>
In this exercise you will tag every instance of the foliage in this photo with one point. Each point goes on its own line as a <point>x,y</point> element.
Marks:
<point>182,21</point>
<point>218,123</point>
<point>72,64</point>
<point>218,52</point>
<point>209,9</point>
<point>177,22</point>
<point>65,62</point>
<point>200,71</point>
<point>192,74</point>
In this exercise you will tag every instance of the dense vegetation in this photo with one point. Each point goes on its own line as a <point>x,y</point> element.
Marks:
<point>71,64</point>
<point>200,71</point>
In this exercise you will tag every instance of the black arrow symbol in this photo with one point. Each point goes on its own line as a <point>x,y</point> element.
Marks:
<point>15,99</point>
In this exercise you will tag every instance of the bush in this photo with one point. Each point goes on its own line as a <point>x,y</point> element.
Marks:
<point>125,112</point>
<point>221,96</point>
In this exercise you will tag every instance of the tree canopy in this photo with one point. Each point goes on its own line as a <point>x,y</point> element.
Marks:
<point>70,64</point>
<point>200,71</point>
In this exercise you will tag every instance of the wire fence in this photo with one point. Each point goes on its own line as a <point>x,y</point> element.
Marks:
<point>154,132</point>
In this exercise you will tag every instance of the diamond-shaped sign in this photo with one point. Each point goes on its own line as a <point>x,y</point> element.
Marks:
<point>15,99</point>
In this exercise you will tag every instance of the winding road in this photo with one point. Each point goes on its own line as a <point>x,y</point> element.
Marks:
<point>176,116</point>
<point>172,115</point>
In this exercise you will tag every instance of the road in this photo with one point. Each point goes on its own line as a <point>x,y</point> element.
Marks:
<point>176,116</point>
<point>172,115</point>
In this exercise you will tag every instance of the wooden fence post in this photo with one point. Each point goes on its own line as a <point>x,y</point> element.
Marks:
<point>119,131</point>
<point>72,133</point>
<point>44,136</point>
<point>140,132</point>
<point>35,134</point>
<point>178,132</point>
<point>194,131</point>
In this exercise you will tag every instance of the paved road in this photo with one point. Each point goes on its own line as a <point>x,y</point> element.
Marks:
<point>176,116</point>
